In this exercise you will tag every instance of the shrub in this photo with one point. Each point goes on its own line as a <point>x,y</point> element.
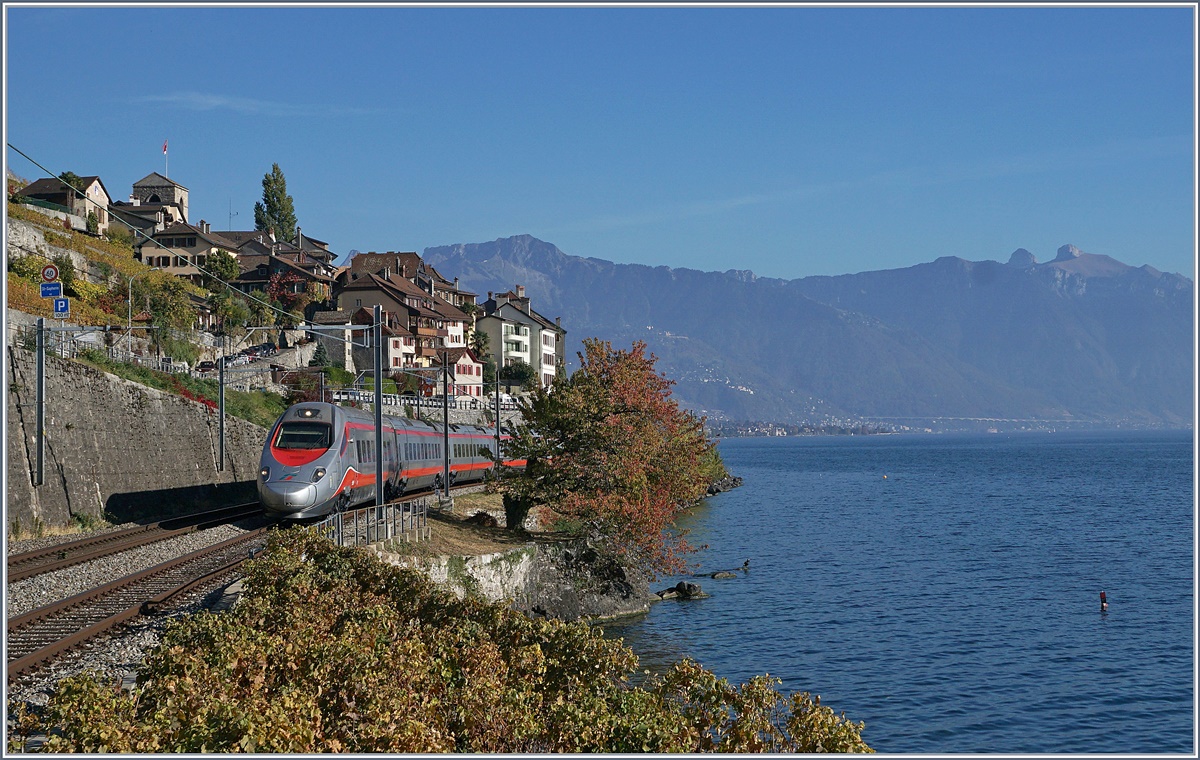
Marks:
<point>331,650</point>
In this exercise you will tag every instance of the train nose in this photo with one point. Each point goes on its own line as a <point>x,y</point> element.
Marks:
<point>290,496</point>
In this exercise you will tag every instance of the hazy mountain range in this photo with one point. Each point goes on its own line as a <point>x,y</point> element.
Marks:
<point>1083,337</point>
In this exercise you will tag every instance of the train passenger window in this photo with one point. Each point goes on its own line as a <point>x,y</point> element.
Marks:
<point>304,435</point>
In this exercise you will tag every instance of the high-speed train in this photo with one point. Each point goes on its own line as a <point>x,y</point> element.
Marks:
<point>321,457</point>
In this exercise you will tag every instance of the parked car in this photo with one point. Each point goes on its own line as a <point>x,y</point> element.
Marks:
<point>206,366</point>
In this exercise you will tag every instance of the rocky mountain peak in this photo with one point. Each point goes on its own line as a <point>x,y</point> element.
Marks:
<point>1022,258</point>
<point>1068,252</point>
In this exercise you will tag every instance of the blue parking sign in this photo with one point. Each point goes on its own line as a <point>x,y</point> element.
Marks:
<point>62,308</point>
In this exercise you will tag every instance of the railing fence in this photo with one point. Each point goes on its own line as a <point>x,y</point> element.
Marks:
<point>398,522</point>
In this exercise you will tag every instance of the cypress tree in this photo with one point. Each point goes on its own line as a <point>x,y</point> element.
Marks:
<point>275,211</point>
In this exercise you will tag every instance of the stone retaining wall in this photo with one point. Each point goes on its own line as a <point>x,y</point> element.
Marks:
<point>118,448</point>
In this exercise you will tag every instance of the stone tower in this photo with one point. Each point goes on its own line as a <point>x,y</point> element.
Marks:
<point>155,189</point>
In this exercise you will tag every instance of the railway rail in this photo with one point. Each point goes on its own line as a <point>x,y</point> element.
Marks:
<point>40,636</point>
<point>29,564</point>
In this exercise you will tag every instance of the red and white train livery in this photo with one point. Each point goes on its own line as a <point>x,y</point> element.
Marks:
<point>321,457</point>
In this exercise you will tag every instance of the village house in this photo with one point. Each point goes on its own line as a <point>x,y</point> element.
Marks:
<point>433,324</point>
<point>399,345</point>
<point>410,266</point>
<point>182,249</point>
<point>518,333</point>
<point>54,194</point>
<point>466,374</point>
<point>258,270</point>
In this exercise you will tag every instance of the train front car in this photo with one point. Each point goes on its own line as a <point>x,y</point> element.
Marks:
<point>300,471</point>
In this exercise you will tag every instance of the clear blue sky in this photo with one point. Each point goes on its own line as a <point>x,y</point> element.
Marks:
<point>790,141</point>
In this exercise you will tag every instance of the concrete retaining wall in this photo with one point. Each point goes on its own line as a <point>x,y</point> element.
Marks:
<point>116,448</point>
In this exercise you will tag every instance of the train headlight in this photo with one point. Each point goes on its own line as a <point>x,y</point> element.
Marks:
<point>318,474</point>
<point>265,473</point>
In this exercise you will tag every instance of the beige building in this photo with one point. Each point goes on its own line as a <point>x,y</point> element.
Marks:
<point>180,248</point>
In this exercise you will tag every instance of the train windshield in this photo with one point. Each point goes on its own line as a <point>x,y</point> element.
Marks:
<point>304,435</point>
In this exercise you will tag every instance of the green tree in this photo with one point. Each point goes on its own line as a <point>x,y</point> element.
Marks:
<point>320,357</point>
<point>519,374</point>
<point>231,311</point>
<point>481,343</point>
<point>221,267</point>
<point>74,180</point>
<point>610,451</point>
<point>93,223</point>
<point>171,303</point>
<point>119,235</point>
<point>275,211</point>
<point>66,271</point>
<point>261,312</point>
<point>172,314</point>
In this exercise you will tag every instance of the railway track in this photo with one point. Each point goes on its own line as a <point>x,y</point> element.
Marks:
<point>29,564</point>
<point>38,637</point>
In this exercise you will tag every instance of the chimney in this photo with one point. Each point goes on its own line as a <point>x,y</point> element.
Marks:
<point>558,322</point>
<point>489,295</point>
<point>520,291</point>
<point>135,200</point>
<point>299,239</point>
<point>204,226</point>
<point>456,283</point>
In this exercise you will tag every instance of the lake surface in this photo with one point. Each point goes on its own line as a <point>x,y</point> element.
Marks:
<point>954,606</point>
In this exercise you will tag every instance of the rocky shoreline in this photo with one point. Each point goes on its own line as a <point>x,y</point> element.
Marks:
<point>727,483</point>
<point>572,582</point>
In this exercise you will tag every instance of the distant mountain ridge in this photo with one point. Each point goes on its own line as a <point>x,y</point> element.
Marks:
<point>1081,337</point>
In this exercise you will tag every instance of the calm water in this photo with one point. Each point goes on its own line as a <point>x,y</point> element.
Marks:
<point>954,606</point>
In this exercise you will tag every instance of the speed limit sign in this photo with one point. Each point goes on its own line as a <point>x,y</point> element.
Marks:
<point>49,273</point>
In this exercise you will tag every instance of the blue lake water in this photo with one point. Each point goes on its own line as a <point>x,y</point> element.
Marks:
<point>954,606</point>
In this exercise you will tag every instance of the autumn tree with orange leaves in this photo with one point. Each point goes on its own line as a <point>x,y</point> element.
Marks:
<point>611,454</point>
